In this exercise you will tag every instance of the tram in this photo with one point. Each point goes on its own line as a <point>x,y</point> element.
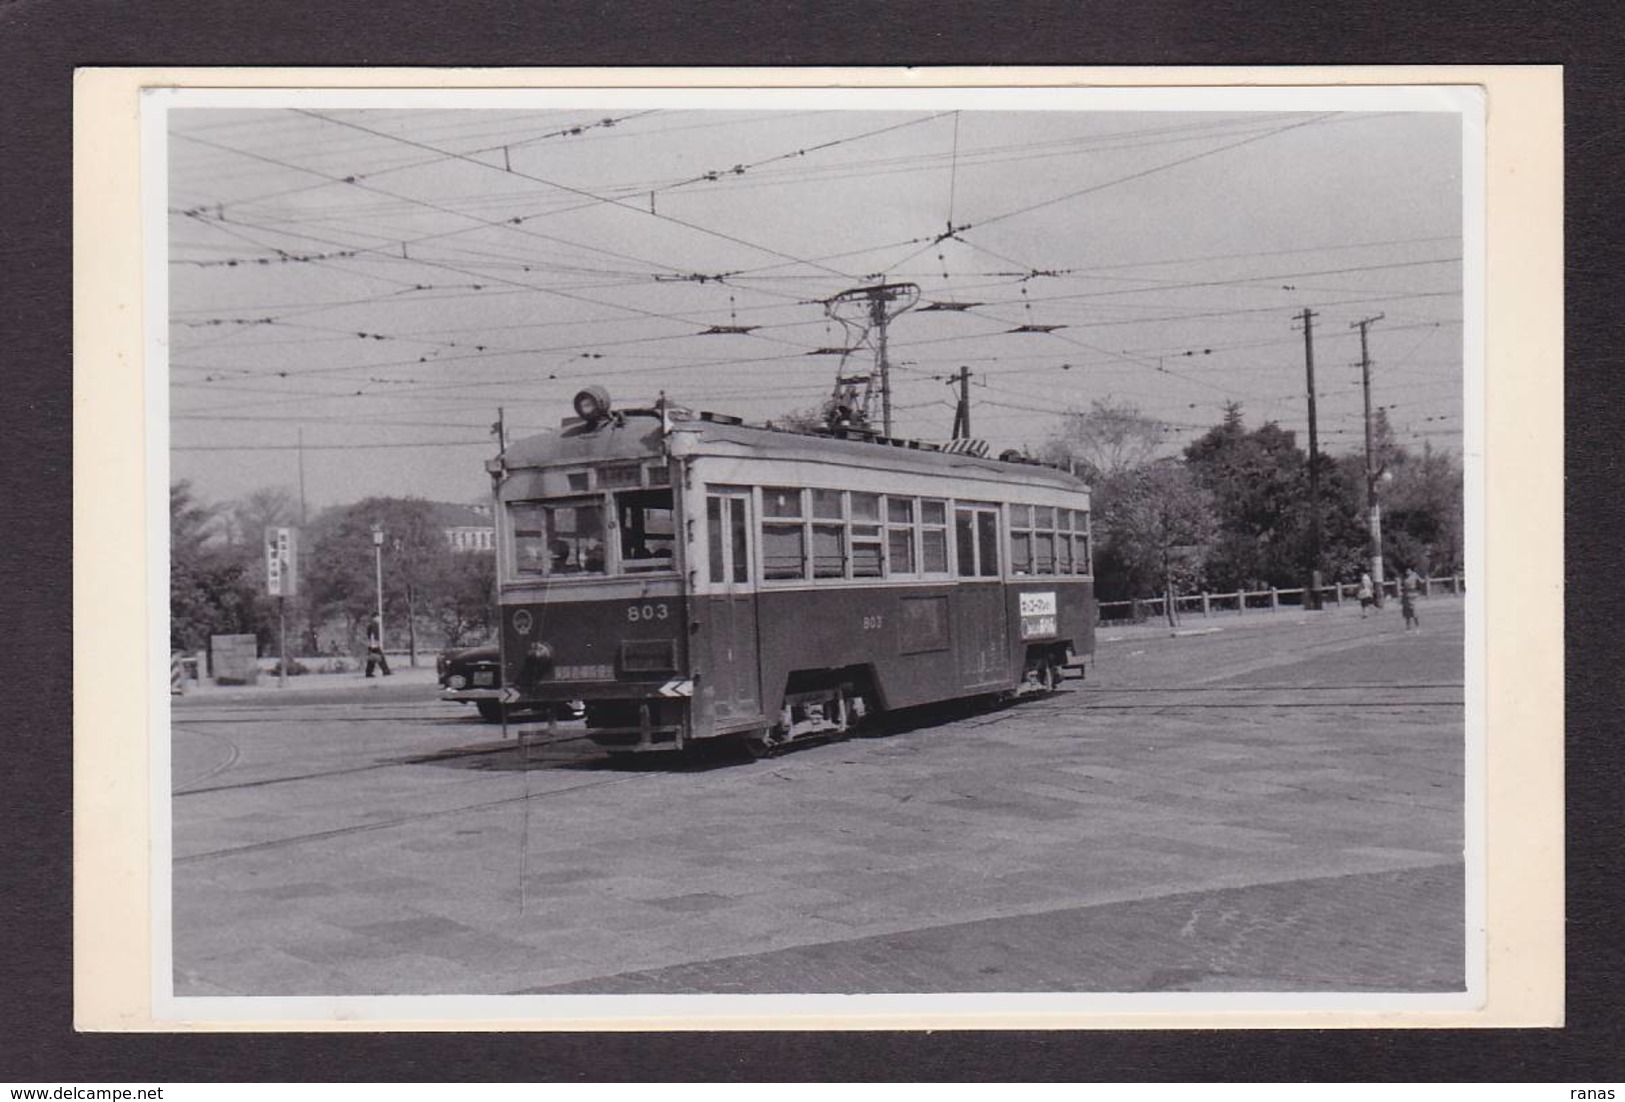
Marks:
<point>691,577</point>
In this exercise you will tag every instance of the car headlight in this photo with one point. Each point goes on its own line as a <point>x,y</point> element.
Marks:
<point>456,681</point>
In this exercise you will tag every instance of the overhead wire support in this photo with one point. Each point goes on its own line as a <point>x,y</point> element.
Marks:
<point>881,304</point>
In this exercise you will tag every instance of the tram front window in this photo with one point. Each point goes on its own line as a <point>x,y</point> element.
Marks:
<point>647,534</point>
<point>558,538</point>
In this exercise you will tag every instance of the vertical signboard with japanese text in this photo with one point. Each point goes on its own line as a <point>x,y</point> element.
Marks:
<point>282,562</point>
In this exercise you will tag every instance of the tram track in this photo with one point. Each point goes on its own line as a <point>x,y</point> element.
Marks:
<point>404,820</point>
<point>194,787</point>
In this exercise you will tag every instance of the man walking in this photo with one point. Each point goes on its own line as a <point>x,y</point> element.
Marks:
<point>375,647</point>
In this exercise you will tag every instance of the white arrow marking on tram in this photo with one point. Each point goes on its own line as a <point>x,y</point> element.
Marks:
<point>677,686</point>
<point>510,695</point>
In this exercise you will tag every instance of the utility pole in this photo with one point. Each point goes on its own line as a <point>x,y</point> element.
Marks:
<point>962,410</point>
<point>302,520</point>
<point>885,301</point>
<point>1372,474</point>
<point>877,318</point>
<point>1313,595</point>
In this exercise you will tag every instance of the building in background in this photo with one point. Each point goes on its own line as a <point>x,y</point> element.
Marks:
<point>467,527</point>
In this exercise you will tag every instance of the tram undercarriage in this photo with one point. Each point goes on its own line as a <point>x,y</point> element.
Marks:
<point>818,704</point>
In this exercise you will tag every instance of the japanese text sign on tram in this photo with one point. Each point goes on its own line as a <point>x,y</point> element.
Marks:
<point>282,562</point>
<point>1037,615</point>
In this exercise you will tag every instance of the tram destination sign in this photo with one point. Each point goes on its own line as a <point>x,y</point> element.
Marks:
<point>282,562</point>
<point>1037,615</point>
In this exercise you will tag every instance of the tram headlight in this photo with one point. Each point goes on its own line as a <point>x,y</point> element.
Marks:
<point>592,404</point>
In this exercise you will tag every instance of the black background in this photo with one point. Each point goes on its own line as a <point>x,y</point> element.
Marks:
<point>42,41</point>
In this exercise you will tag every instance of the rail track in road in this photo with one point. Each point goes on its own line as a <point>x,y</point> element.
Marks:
<point>1365,696</point>
<point>402,820</point>
<point>528,749</point>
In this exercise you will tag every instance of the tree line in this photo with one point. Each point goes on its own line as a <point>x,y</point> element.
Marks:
<point>1232,510</point>
<point>433,595</point>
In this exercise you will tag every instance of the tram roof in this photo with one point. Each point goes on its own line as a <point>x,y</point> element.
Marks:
<point>640,437</point>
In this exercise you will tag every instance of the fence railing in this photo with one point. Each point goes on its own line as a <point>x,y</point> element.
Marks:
<point>1260,600</point>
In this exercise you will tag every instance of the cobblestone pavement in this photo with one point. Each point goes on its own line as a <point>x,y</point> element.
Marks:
<point>1277,808</point>
<point>1301,935</point>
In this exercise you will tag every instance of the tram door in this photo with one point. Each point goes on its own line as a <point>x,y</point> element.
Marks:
<point>981,627</point>
<point>735,668</point>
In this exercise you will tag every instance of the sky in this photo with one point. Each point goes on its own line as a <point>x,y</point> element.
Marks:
<point>357,291</point>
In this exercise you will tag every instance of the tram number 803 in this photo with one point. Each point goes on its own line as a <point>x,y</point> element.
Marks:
<point>634,613</point>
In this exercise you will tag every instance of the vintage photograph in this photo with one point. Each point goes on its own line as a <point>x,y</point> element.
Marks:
<point>760,543</point>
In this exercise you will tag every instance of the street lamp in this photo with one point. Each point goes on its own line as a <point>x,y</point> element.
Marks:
<point>378,578</point>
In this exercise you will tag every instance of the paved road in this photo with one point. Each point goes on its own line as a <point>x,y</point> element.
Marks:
<point>1275,806</point>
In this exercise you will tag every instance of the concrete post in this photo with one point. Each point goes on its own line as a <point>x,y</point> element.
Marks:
<point>1275,599</point>
<point>1207,609</point>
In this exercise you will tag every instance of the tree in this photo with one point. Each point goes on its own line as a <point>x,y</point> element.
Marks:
<point>1106,440</point>
<point>1155,522</point>
<point>810,419</point>
<point>341,573</point>
<point>1422,516</point>
<point>213,588</point>
<point>464,597</point>
<point>268,507</point>
<point>1259,484</point>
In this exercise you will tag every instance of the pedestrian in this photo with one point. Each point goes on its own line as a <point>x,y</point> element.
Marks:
<point>1409,585</point>
<point>1367,599</point>
<point>375,647</point>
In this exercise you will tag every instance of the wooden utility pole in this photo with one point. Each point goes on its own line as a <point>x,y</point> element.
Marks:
<point>1372,473</point>
<point>962,410</point>
<point>877,318</point>
<point>1308,317</point>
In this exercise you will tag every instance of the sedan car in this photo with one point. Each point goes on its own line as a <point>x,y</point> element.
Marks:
<point>474,675</point>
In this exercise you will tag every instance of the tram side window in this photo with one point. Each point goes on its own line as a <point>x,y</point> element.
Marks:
<point>648,538</point>
<point>828,539</point>
<point>987,543</point>
<point>727,536</point>
<point>965,542</point>
<point>1021,539</point>
<point>1039,540</point>
<point>900,534</point>
<point>784,534</point>
<point>558,539</point>
<point>933,536</point>
<point>976,538</point>
<point>1044,539</point>
<point>829,551</point>
<point>868,555</point>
